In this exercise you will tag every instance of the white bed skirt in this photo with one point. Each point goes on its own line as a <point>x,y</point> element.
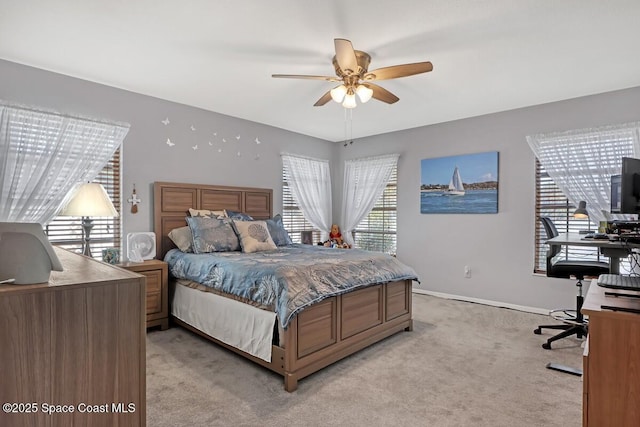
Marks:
<point>240,325</point>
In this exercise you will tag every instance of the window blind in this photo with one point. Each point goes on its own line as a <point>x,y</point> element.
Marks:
<point>67,232</point>
<point>377,231</point>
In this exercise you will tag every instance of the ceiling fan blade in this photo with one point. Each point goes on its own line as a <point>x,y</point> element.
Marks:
<point>396,71</point>
<point>296,76</point>
<point>323,100</point>
<point>346,56</point>
<point>381,94</point>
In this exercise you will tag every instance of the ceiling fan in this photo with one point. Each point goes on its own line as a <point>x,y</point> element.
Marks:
<point>352,72</point>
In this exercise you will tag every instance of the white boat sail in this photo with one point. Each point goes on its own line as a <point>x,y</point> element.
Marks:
<point>455,185</point>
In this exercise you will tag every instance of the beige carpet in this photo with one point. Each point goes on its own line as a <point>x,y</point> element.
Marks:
<point>464,364</point>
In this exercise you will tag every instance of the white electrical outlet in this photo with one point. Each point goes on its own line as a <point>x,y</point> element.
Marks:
<point>467,272</point>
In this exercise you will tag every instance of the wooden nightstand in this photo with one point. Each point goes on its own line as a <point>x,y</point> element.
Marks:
<point>157,275</point>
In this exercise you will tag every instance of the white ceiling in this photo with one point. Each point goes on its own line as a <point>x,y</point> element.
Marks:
<point>488,56</point>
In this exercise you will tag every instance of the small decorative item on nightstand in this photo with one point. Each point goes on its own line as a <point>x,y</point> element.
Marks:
<point>111,255</point>
<point>306,237</point>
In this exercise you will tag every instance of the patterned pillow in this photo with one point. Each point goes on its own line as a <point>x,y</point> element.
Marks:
<point>278,233</point>
<point>182,238</point>
<point>254,236</point>
<point>212,235</point>
<point>206,212</point>
<point>238,215</point>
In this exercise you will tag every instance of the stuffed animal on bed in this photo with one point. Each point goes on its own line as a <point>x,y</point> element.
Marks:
<point>335,234</point>
<point>335,237</point>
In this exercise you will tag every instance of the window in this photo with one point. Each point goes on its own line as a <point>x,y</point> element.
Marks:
<point>577,165</point>
<point>551,202</point>
<point>377,231</point>
<point>66,232</point>
<point>292,218</point>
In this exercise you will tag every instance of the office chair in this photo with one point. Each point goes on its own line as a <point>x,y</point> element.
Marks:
<point>574,324</point>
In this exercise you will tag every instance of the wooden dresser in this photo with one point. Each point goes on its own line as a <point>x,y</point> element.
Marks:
<point>157,275</point>
<point>74,346</point>
<point>611,362</point>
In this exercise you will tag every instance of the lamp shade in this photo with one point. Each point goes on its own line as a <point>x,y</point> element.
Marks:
<point>349,101</point>
<point>581,212</point>
<point>89,200</point>
<point>364,93</point>
<point>338,93</point>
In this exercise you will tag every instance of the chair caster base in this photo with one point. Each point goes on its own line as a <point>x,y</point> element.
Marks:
<point>546,346</point>
<point>537,331</point>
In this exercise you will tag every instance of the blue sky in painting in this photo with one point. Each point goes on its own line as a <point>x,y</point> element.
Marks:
<point>478,167</point>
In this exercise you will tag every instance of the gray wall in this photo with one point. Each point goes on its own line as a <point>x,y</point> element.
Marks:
<point>498,247</point>
<point>147,157</point>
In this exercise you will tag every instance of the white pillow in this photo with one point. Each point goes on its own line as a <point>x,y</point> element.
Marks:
<point>254,236</point>
<point>182,238</point>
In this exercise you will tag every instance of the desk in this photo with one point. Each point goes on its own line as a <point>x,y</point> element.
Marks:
<point>613,250</point>
<point>611,379</point>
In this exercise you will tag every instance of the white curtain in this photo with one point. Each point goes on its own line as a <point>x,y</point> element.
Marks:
<point>581,162</point>
<point>43,155</point>
<point>310,183</point>
<point>364,182</point>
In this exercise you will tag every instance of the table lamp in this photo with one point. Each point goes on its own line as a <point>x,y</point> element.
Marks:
<point>581,213</point>
<point>87,201</point>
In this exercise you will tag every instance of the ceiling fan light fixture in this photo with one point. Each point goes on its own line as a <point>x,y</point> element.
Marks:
<point>364,93</point>
<point>338,93</point>
<point>349,100</point>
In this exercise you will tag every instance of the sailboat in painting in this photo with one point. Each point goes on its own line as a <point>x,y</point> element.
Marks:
<point>455,185</point>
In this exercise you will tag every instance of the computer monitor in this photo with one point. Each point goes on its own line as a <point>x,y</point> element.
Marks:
<point>625,188</point>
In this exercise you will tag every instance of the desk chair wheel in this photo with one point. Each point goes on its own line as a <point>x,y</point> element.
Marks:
<point>537,331</point>
<point>546,346</point>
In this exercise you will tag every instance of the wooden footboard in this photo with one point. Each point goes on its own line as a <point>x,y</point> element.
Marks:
<point>342,325</point>
<point>335,328</point>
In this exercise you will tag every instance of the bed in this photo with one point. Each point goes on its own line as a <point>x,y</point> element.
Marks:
<point>311,338</point>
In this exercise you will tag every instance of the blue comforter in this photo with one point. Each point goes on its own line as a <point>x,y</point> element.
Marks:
<point>289,278</point>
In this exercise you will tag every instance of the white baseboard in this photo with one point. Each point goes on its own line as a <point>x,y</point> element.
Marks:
<point>535,310</point>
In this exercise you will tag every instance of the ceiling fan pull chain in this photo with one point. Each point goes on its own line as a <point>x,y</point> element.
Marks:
<point>348,126</point>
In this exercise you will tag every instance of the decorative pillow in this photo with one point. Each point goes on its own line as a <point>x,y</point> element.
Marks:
<point>254,236</point>
<point>237,215</point>
<point>278,233</point>
<point>212,235</point>
<point>206,212</point>
<point>182,238</point>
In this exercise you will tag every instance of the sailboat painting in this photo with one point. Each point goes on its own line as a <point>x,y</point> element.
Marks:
<point>456,188</point>
<point>469,184</point>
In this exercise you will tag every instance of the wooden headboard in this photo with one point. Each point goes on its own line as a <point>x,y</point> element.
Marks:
<point>171,203</point>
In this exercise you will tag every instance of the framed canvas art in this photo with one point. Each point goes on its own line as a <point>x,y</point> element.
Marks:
<point>460,184</point>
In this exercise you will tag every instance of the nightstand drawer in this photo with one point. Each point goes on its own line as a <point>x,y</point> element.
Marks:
<point>157,280</point>
<point>154,280</point>
<point>154,302</point>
